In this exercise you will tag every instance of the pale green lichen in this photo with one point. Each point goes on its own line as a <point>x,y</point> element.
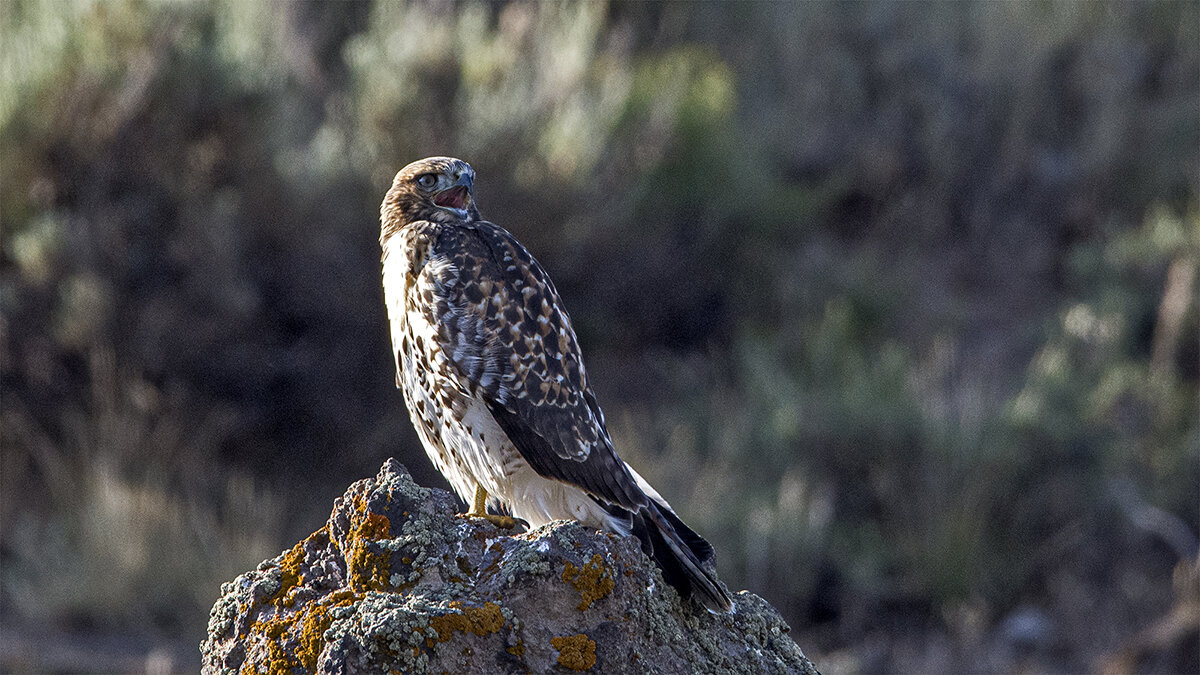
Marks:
<point>524,562</point>
<point>457,594</point>
<point>402,631</point>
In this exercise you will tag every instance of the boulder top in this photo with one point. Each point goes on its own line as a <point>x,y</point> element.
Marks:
<point>396,582</point>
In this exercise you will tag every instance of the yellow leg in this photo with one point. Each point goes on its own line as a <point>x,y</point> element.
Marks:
<point>479,510</point>
<point>480,507</point>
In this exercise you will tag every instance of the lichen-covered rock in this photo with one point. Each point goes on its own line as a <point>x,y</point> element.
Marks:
<point>396,583</point>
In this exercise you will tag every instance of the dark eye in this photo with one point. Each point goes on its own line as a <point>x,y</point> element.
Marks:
<point>427,180</point>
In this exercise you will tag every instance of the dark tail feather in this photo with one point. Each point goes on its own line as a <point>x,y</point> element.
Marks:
<point>682,554</point>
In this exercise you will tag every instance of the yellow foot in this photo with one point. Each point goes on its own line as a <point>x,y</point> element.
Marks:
<point>479,510</point>
<point>504,522</point>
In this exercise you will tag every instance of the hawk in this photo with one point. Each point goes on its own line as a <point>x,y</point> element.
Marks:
<point>494,380</point>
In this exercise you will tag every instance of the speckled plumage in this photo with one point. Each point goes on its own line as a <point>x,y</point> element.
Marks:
<point>494,380</point>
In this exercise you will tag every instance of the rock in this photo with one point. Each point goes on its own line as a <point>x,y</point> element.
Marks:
<point>396,583</point>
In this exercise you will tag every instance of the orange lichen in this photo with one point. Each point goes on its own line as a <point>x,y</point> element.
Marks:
<point>306,628</point>
<point>374,526</point>
<point>593,582</point>
<point>576,652</point>
<point>517,650</point>
<point>290,576</point>
<point>279,661</point>
<point>369,567</point>
<point>477,620</point>
<point>312,636</point>
<point>314,624</point>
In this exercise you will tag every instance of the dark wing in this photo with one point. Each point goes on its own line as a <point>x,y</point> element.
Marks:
<point>502,324</point>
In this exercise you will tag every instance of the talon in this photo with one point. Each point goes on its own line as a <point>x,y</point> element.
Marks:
<point>479,510</point>
<point>504,522</point>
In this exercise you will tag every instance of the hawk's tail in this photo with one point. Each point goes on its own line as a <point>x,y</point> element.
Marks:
<point>682,555</point>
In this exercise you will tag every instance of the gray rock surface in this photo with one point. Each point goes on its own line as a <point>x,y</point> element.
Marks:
<point>396,583</point>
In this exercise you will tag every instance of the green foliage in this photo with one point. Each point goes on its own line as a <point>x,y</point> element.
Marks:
<point>894,302</point>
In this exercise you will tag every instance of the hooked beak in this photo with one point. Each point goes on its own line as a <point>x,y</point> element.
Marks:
<point>458,197</point>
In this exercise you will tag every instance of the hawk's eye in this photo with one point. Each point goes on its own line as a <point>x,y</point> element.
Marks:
<point>427,180</point>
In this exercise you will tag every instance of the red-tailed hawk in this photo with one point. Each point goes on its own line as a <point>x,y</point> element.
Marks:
<point>494,380</point>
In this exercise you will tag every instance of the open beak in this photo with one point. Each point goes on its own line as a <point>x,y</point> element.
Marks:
<point>457,197</point>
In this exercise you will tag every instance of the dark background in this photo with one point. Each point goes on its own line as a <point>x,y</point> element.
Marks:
<point>895,302</point>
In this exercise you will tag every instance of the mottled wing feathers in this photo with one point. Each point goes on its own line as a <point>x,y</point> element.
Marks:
<point>484,349</point>
<point>600,473</point>
<point>502,324</point>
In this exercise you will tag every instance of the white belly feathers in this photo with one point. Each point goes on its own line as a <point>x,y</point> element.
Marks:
<point>463,439</point>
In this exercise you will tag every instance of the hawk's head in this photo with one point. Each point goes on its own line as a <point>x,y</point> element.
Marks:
<point>434,188</point>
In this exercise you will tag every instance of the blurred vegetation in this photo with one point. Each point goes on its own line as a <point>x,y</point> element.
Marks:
<point>895,302</point>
